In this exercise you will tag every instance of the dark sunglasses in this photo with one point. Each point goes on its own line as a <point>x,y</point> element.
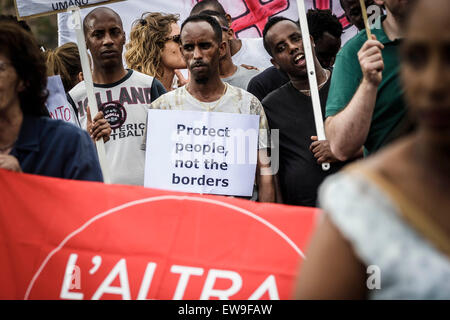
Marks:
<point>176,38</point>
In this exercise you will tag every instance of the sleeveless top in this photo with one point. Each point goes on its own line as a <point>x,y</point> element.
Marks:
<point>387,231</point>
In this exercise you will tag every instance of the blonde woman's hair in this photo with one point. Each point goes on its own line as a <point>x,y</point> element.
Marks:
<point>147,38</point>
<point>64,61</point>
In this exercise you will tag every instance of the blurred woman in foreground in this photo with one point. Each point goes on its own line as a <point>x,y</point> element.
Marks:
<point>30,141</point>
<point>386,227</point>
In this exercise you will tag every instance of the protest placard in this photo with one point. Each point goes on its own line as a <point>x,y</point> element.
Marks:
<point>57,104</point>
<point>201,152</point>
<point>35,8</point>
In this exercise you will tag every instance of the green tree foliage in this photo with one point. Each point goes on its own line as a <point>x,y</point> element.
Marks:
<point>45,29</point>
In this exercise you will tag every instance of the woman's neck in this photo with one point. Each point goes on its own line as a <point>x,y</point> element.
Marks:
<point>433,153</point>
<point>10,123</point>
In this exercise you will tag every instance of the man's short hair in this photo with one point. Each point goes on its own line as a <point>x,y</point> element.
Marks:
<point>200,7</point>
<point>212,22</point>
<point>270,23</point>
<point>220,16</point>
<point>93,12</point>
<point>321,21</point>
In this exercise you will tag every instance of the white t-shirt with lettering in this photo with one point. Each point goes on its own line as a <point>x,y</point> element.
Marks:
<point>124,104</point>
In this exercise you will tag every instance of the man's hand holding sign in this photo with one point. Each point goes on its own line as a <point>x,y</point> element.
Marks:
<point>216,131</point>
<point>205,152</point>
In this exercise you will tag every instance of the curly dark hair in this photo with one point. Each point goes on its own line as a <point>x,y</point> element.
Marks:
<point>22,49</point>
<point>321,21</point>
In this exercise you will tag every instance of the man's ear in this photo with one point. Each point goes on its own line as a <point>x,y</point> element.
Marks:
<point>222,49</point>
<point>229,20</point>
<point>313,44</point>
<point>275,64</point>
<point>80,76</point>
<point>231,33</point>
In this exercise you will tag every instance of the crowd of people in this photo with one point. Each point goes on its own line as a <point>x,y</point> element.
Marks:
<point>384,98</point>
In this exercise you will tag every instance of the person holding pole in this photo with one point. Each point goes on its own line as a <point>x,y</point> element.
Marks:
<point>122,95</point>
<point>365,103</point>
<point>201,47</point>
<point>385,233</point>
<point>352,11</point>
<point>30,141</point>
<point>326,31</point>
<point>289,109</point>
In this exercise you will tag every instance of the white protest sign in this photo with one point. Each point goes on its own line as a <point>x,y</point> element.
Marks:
<point>201,152</point>
<point>57,104</point>
<point>35,8</point>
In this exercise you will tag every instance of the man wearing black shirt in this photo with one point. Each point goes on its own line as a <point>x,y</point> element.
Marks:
<point>289,109</point>
<point>267,81</point>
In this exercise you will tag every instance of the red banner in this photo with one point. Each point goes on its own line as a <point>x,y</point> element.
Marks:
<point>64,239</point>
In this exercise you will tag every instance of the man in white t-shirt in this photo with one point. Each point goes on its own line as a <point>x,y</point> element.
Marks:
<point>124,96</point>
<point>202,46</point>
<point>244,51</point>
<point>231,73</point>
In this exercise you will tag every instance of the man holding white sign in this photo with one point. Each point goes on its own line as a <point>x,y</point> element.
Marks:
<point>202,47</point>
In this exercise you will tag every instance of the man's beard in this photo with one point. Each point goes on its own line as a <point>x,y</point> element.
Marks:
<point>201,80</point>
<point>399,12</point>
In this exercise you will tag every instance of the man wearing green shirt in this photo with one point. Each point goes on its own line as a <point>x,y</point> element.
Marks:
<point>365,102</point>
